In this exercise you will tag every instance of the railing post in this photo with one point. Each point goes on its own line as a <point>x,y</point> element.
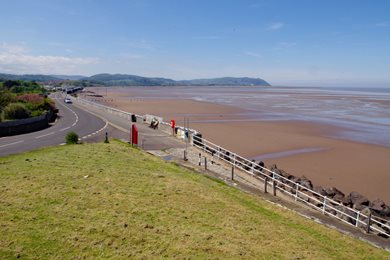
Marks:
<point>232,173</point>
<point>265,184</point>
<point>368,223</point>
<point>324,206</point>
<point>200,158</point>
<point>357,219</point>
<point>296,191</point>
<point>205,163</point>
<point>274,187</point>
<point>234,160</point>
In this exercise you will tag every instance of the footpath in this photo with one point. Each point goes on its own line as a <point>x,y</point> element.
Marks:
<point>163,144</point>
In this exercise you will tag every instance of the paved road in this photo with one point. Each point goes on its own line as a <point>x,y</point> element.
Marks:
<point>149,139</point>
<point>71,118</point>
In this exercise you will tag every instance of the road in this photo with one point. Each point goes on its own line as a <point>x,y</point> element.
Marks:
<point>149,139</point>
<point>71,118</point>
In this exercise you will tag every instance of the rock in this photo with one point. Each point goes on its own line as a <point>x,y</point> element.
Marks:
<point>358,201</point>
<point>285,174</point>
<point>382,232</point>
<point>262,165</point>
<point>320,190</point>
<point>339,196</point>
<point>332,192</point>
<point>305,182</point>
<point>379,207</point>
<point>306,196</point>
<point>346,201</point>
<point>329,192</point>
<point>346,214</point>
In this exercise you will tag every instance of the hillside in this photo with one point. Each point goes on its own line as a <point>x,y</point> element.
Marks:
<point>132,80</point>
<point>28,77</point>
<point>106,79</point>
<point>227,81</point>
<point>128,80</point>
<point>111,200</point>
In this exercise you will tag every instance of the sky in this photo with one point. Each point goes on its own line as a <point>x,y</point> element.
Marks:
<point>286,42</point>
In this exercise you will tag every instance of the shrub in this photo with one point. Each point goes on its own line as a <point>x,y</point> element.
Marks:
<point>6,98</point>
<point>16,111</point>
<point>71,138</point>
<point>31,98</point>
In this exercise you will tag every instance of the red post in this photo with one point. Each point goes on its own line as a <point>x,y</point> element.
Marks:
<point>173,126</point>
<point>134,135</point>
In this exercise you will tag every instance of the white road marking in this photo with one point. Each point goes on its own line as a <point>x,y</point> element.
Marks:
<point>101,129</point>
<point>18,142</point>
<point>51,133</point>
<point>66,128</point>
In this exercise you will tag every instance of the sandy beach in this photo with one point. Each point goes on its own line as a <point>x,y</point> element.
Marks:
<point>298,147</point>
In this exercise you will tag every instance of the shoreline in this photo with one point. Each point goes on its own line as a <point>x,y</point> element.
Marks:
<point>326,160</point>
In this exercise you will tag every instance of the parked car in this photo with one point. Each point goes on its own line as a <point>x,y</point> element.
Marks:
<point>68,101</point>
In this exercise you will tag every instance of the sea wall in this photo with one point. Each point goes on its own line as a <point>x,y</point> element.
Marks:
<point>23,126</point>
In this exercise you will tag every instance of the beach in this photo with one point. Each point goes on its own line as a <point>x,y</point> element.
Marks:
<point>260,125</point>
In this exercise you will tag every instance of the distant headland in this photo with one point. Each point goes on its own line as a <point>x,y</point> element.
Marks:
<point>106,79</point>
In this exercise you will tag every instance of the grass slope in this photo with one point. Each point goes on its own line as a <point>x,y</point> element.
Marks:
<point>134,205</point>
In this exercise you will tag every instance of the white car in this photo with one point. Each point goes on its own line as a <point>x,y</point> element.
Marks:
<point>68,101</point>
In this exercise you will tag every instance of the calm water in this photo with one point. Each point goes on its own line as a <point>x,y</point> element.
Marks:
<point>364,113</point>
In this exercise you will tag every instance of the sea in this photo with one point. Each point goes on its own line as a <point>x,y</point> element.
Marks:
<point>362,114</point>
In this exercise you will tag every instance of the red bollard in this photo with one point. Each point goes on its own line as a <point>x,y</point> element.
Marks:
<point>173,126</point>
<point>134,135</point>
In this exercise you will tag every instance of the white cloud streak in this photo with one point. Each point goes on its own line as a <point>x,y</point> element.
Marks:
<point>253,54</point>
<point>16,59</point>
<point>12,48</point>
<point>382,24</point>
<point>275,26</point>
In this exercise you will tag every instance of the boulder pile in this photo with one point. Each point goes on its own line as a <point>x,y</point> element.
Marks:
<point>337,203</point>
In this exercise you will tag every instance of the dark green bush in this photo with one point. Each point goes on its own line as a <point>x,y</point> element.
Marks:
<point>16,111</point>
<point>71,138</point>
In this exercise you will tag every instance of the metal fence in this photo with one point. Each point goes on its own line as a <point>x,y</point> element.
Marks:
<point>295,190</point>
<point>274,180</point>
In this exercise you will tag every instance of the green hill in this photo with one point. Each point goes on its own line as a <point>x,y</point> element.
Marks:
<point>127,80</point>
<point>227,81</point>
<point>28,77</point>
<point>111,200</point>
<point>106,79</point>
<point>132,80</point>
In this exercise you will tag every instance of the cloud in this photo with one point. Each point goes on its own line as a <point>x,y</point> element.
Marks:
<point>275,26</point>
<point>16,59</point>
<point>142,45</point>
<point>210,37</point>
<point>382,24</point>
<point>12,48</point>
<point>283,46</point>
<point>253,54</point>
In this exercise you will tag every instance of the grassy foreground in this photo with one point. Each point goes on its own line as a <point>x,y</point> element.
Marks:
<point>110,200</point>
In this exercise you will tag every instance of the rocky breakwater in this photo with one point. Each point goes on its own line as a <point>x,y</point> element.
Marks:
<point>354,208</point>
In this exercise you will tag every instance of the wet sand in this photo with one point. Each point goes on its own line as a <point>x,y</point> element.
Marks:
<point>300,148</point>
